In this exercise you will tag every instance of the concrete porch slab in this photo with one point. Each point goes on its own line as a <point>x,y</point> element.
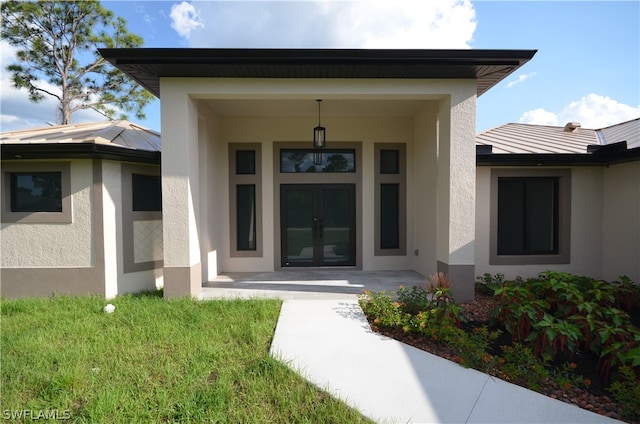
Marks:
<point>307,284</point>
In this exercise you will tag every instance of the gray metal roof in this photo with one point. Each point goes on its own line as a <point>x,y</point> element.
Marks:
<point>627,131</point>
<point>541,139</point>
<point>115,140</point>
<point>147,66</point>
<point>121,134</point>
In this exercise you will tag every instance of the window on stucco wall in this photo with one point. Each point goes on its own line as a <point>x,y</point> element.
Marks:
<point>390,199</point>
<point>36,192</point>
<point>142,235</point>
<point>245,199</point>
<point>530,216</point>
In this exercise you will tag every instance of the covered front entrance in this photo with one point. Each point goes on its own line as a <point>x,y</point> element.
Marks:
<point>318,225</point>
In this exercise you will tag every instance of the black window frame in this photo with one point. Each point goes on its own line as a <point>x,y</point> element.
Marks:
<point>241,177</point>
<point>60,216</point>
<point>326,152</point>
<point>15,208</point>
<point>390,233</point>
<point>141,184</point>
<point>561,253</point>
<point>518,241</point>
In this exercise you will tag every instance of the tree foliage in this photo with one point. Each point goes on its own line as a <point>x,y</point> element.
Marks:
<point>57,55</point>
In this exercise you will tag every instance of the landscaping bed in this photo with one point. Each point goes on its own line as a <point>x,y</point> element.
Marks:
<point>595,366</point>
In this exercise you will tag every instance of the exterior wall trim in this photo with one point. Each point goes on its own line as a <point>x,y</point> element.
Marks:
<point>129,217</point>
<point>235,179</point>
<point>22,282</point>
<point>64,217</point>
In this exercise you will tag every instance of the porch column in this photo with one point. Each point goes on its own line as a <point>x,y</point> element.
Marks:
<point>180,200</point>
<point>456,192</point>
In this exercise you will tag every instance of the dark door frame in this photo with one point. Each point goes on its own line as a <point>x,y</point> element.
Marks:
<point>317,225</point>
<point>280,178</point>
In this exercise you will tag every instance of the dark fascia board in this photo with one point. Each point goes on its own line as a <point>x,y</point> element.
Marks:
<point>77,151</point>
<point>148,65</point>
<point>558,159</point>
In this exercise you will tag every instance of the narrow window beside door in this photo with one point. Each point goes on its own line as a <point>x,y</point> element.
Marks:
<point>246,216</point>
<point>390,198</point>
<point>245,194</point>
<point>389,216</point>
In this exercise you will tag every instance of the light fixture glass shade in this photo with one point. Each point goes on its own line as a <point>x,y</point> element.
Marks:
<point>319,139</point>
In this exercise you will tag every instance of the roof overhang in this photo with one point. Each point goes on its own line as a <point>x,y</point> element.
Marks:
<point>603,156</point>
<point>77,151</point>
<point>147,66</point>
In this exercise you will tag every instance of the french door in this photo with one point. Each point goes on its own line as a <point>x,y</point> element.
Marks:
<point>318,225</point>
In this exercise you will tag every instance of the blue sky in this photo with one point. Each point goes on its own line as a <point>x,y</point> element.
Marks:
<point>587,68</point>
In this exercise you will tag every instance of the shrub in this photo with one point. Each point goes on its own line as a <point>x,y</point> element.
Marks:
<point>627,294</point>
<point>488,284</point>
<point>627,391</point>
<point>522,366</point>
<point>560,313</point>
<point>415,300</point>
<point>382,308</point>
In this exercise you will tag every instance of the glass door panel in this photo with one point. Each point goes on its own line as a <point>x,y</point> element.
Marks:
<point>337,226</point>
<point>318,224</point>
<point>298,233</point>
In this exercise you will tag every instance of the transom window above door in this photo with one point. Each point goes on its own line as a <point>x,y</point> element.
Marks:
<point>332,161</point>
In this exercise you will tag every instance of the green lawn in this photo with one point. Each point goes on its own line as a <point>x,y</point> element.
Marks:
<point>153,361</point>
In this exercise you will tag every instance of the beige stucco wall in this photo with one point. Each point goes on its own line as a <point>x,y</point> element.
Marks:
<point>117,281</point>
<point>195,166</point>
<point>37,245</point>
<point>586,226</point>
<point>84,256</point>
<point>212,167</point>
<point>266,131</point>
<point>424,249</point>
<point>621,222</point>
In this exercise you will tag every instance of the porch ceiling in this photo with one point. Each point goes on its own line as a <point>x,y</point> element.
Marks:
<point>308,107</point>
<point>147,66</point>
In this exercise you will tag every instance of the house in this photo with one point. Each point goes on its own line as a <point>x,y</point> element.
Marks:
<point>562,198</point>
<point>389,183</point>
<point>396,183</point>
<point>81,210</point>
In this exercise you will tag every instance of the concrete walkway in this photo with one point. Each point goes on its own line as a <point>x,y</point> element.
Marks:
<point>323,335</point>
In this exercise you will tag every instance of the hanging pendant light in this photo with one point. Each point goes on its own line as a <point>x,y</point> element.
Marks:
<point>319,139</point>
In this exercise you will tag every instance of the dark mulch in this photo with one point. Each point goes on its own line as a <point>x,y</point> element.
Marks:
<point>594,398</point>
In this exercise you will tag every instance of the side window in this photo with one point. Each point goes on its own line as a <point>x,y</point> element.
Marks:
<point>146,193</point>
<point>36,192</point>
<point>245,200</point>
<point>528,219</point>
<point>530,214</point>
<point>142,237</point>
<point>390,199</point>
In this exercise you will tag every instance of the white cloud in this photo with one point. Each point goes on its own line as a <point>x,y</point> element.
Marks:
<point>539,117</point>
<point>408,24</point>
<point>521,78</point>
<point>335,24</point>
<point>592,111</point>
<point>184,19</point>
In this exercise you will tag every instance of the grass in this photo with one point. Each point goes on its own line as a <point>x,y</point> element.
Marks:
<point>153,361</point>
